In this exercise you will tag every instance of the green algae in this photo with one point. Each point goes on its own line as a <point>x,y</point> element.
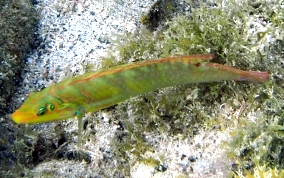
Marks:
<point>227,30</point>
<point>183,112</point>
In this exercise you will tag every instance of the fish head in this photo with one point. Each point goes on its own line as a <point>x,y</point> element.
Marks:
<point>43,107</point>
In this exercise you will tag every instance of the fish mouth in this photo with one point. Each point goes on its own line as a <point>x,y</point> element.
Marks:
<point>21,118</point>
<point>15,117</point>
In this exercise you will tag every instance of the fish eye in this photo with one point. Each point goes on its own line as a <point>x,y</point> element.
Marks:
<point>41,111</point>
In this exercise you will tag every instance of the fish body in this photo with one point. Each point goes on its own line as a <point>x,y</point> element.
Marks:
<point>94,91</point>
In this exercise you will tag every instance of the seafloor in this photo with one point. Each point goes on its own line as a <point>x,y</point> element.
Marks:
<point>239,123</point>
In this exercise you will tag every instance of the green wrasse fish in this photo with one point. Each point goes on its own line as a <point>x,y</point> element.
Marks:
<point>94,91</point>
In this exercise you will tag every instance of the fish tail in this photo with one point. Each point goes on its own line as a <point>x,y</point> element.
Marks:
<point>254,76</point>
<point>240,75</point>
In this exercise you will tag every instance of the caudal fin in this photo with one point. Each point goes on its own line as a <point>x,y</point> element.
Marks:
<point>254,76</point>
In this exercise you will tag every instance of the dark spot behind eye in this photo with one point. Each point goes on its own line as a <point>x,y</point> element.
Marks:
<point>51,107</point>
<point>197,64</point>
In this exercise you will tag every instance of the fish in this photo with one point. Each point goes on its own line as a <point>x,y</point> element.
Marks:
<point>97,90</point>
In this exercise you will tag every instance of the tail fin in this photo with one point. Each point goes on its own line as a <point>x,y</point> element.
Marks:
<point>254,76</point>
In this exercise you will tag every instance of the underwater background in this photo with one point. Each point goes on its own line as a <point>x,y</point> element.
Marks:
<point>225,129</point>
